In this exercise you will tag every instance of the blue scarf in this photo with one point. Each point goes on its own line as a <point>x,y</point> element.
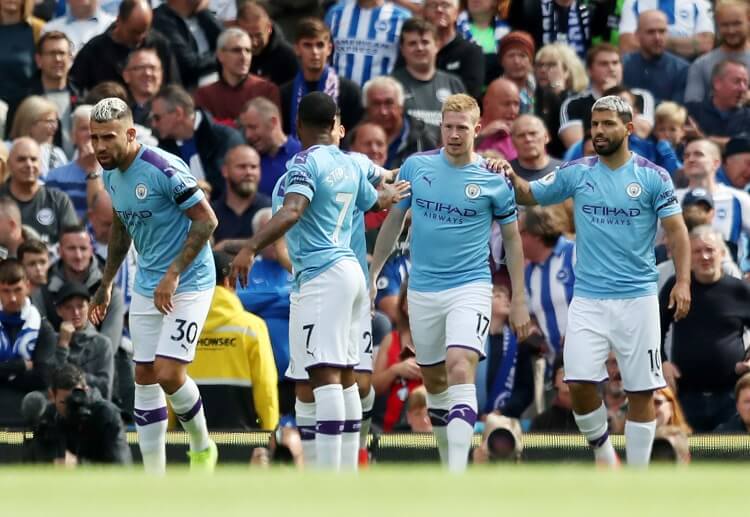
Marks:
<point>23,346</point>
<point>577,33</point>
<point>502,384</point>
<point>328,84</point>
<point>463,26</point>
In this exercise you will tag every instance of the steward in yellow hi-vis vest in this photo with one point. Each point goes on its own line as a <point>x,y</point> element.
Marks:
<point>234,366</point>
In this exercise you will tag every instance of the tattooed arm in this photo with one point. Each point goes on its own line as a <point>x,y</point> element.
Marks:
<point>117,249</point>
<point>203,223</point>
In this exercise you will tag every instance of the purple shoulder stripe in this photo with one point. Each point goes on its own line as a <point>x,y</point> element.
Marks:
<point>588,161</point>
<point>640,161</point>
<point>158,161</point>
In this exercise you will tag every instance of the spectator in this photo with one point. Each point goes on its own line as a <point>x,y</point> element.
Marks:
<point>425,86</point>
<point>650,66</point>
<point>53,57</point>
<point>82,21</point>
<point>267,295</point>
<point>416,411</point>
<point>3,160</point>
<point>260,122</point>
<point>19,32</point>
<point>365,54</point>
<point>383,98</point>
<point>530,138</point>
<point>550,273</point>
<point>233,365</point>
<point>505,380</point>
<point>559,73</point>
<point>46,210</point>
<point>689,34</point>
<point>485,23</point>
<point>733,24</point>
<point>225,98</point>
<point>605,21</point>
<point>103,58</point>
<point>312,45</point>
<point>669,411</point>
<point>558,418</point>
<point>193,135</point>
<point>77,264</point>
<point>370,139</point>
<point>669,124</point>
<point>736,170</point>
<point>27,343</point>
<point>501,105</point>
<point>36,117</point>
<point>605,70</point>
<point>79,343</point>
<point>723,114</point>
<point>192,31</point>
<point>240,201</point>
<point>73,178</point>
<point>12,231</point>
<point>273,56</point>
<point>34,257</point>
<point>455,55</point>
<point>517,61</point>
<point>732,206</point>
<point>740,422</point>
<point>708,342</point>
<point>670,446</point>
<point>554,21</point>
<point>144,76</point>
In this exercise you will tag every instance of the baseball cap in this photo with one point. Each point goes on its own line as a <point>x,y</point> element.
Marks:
<point>737,145</point>
<point>72,290</point>
<point>223,265</point>
<point>698,195</point>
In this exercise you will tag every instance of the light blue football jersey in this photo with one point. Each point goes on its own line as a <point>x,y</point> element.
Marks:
<point>336,184</point>
<point>452,213</point>
<point>150,198</point>
<point>358,241</point>
<point>616,214</point>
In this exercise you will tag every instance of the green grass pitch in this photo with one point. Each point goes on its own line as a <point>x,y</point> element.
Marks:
<point>385,491</point>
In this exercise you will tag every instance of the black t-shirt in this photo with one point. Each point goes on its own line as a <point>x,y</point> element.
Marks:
<point>708,342</point>
<point>534,174</point>
<point>233,226</point>
<point>577,109</point>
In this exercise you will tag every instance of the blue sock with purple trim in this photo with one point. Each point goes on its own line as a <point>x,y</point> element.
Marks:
<point>595,428</point>
<point>352,423</point>
<point>329,415</point>
<point>461,419</point>
<point>187,405</point>
<point>150,415</point>
<point>304,413</point>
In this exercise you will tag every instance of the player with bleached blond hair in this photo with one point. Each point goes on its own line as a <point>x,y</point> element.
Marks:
<point>455,198</point>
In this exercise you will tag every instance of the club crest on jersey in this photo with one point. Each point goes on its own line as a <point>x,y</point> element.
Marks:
<point>382,25</point>
<point>141,191</point>
<point>472,191</point>
<point>45,216</point>
<point>634,190</point>
<point>549,179</point>
<point>442,94</point>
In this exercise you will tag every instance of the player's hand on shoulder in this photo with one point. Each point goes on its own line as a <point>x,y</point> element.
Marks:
<point>520,322</point>
<point>100,304</point>
<point>499,166</point>
<point>165,291</point>
<point>241,266</point>
<point>393,193</point>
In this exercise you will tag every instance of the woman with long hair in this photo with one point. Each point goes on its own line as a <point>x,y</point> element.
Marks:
<point>36,117</point>
<point>559,73</point>
<point>669,411</point>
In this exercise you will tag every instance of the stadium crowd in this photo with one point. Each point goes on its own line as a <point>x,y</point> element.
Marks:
<point>218,83</point>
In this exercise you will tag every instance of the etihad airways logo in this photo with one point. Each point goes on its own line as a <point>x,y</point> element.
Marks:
<point>444,212</point>
<point>610,215</point>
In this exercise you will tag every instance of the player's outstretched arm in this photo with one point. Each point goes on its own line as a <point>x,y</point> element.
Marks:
<point>203,222</point>
<point>519,312</point>
<point>117,249</point>
<point>389,195</point>
<point>677,236</point>
<point>287,216</point>
<point>389,232</point>
<point>522,188</point>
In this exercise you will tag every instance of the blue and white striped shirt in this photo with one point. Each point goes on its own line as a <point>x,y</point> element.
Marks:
<point>366,41</point>
<point>71,179</point>
<point>684,17</point>
<point>549,290</point>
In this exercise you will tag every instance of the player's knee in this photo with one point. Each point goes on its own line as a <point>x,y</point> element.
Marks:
<point>585,397</point>
<point>169,376</point>
<point>145,374</point>
<point>460,370</point>
<point>364,382</point>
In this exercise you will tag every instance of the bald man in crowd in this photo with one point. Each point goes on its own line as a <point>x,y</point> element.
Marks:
<point>501,106</point>
<point>530,138</point>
